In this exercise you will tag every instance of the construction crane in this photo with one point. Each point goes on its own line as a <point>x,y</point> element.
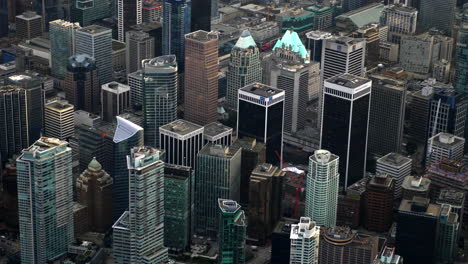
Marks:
<point>296,184</point>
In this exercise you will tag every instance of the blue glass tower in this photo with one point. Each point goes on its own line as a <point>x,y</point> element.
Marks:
<point>45,200</point>
<point>176,23</point>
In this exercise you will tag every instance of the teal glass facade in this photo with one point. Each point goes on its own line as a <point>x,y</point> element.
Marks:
<point>62,45</point>
<point>45,200</point>
<point>232,230</point>
<point>86,12</point>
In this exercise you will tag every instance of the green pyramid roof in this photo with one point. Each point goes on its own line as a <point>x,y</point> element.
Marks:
<point>94,165</point>
<point>291,41</point>
<point>245,40</point>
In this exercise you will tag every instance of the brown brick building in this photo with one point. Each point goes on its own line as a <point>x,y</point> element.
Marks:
<point>378,203</point>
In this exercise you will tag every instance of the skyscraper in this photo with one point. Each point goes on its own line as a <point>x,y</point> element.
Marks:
<point>50,10</point>
<point>140,46</point>
<point>13,120</point>
<point>291,72</point>
<point>447,235</point>
<point>349,5</point>
<point>448,113</point>
<point>58,120</point>
<point>260,116</point>
<point>115,98</point>
<point>315,42</point>
<point>45,200</point>
<point>420,105</point>
<point>345,120</point>
<point>136,83</point>
<point>305,237</point>
<point>217,133</point>
<point>461,78</point>
<point>378,203</point>
<point>387,115</point>
<point>439,14</point>
<point>178,206</point>
<point>140,230</point>
<point>86,13</point>
<point>232,232</point>
<point>94,190</point>
<point>182,140</point>
<point>217,176</point>
<point>159,95</point>
<point>201,15</point>
<point>322,188</point>
<point>96,41</point>
<point>201,77</point>
<point>62,45</point>
<point>4,19</point>
<point>401,21</point>
<point>444,146</point>
<point>176,24</point>
<point>81,83</point>
<point>129,13</point>
<point>396,166</point>
<point>28,25</point>
<point>244,67</point>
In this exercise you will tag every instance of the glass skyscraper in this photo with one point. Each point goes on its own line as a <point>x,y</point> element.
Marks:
<point>50,10</point>
<point>461,80</point>
<point>86,12</point>
<point>62,45</point>
<point>176,23</point>
<point>232,232</point>
<point>139,232</point>
<point>45,200</point>
<point>159,95</point>
<point>322,188</point>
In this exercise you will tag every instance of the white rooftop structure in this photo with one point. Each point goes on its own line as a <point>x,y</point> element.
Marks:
<point>125,129</point>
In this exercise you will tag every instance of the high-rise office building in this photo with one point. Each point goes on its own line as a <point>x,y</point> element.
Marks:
<point>447,235</point>
<point>413,241</point>
<point>152,11</point>
<point>62,45</point>
<point>461,53</point>
<point>178,206</point>
<point>315,42</point>
<point>387,115</point>
<point>217,133</point>
<point>201,77</point>
<point>378,203</point>
<point>343,245</point>
<point>455,199</point>
<point>129,13</point>
<point>401,21</point>
<point>13,120</point>
<point>444,146</point>
<point>86,13</point>
<point>244,67</point>
<point>439,14</point>
<point>59,120</point>
<point>396,166</point>
<point>281,242</point>
<point>81,83</point>
<point>291,72</point>
<point>232,232</point>
<point>343,55</point>
<point>34,87</point>
<point>176,24</point>
<point>201,15</point>
<point>96,41</point>
<point>155,30</point>
<point>349,5</point>
<point>415,186</point>
<point>322,188</point>
<point>447,113</point>
<point>345,120</point>
<point>136,83</point>
<point>126,136</point>
<point>28,25</point>
<point>94,190</point>
<point>139,232</point>
<point>305,237</point>
<point>181,140</point>
<point>265,199</point>
<point>159,95</point>
<point>260,116</point>
<point>420,106</point>
<point>217,176</point>
<point>140,46</point>
<point>4,18</point>
<point>50,10</point>
<point>115,98</point>
<point>45,200</point>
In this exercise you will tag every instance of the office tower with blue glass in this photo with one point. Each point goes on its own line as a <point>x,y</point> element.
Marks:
<point>232,232</point>
<point>244,67</point>
<point>126,136</point>
<point>260,116</point>
<point>140,46</point>
<point>45,200</point>
<point>176,24</point>
<point>159,95</point>
<point>448,111</point>
<point>139,232</point>
<point>96,41</point>
<point>322,188</point>
<point>178,206</point>
<point>62,45</point>
<point>87,12</point>
<point>217,176</point>
<point>345,121</point>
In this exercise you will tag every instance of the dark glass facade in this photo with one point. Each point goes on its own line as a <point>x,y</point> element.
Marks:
<point>253,121</point>
<point>201,15</point>
<point>53,9</point>
<point>340,127</point>
<point>3,18</point>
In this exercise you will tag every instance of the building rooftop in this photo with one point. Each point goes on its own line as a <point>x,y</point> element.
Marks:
<point>402,8</point>
<point>94,29</point>
<point>60,106</point>
<point>228,206</point>
<point>378,79</point>
<point>339,234</point>
<point>382,180</point>
<point>284,226</point>
<point>118,45</point>
<point>44,144</point>
<point>214,129</point>
<point>115,87</point>
<point>181,127</point>
<point>267,169</point>
<point>152,4</point>
<point>416,183</point>
<point>323,156</point>
<point>202,36</point>
<point>262,90</point>
<point>168,62</point>
<point>367,14</point>
<point>450,169</point>
<point>81,61</point>
<point>348,80</point>
<point>137,35</point>
<point>306,228</point>
<point>292,42</point>
<point>251,144</point>
<point>317,35</point>
<point>125,129</point>
<point>452,197</point>
<point>146,27</point>
<point>123,222</point>
<point>419,205</point>
<point>9,89</point>
<point>220,151</point>
<point>245,40</point>
<point>28,15</point>
<point>445,140</point>
<point>394,160</point>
